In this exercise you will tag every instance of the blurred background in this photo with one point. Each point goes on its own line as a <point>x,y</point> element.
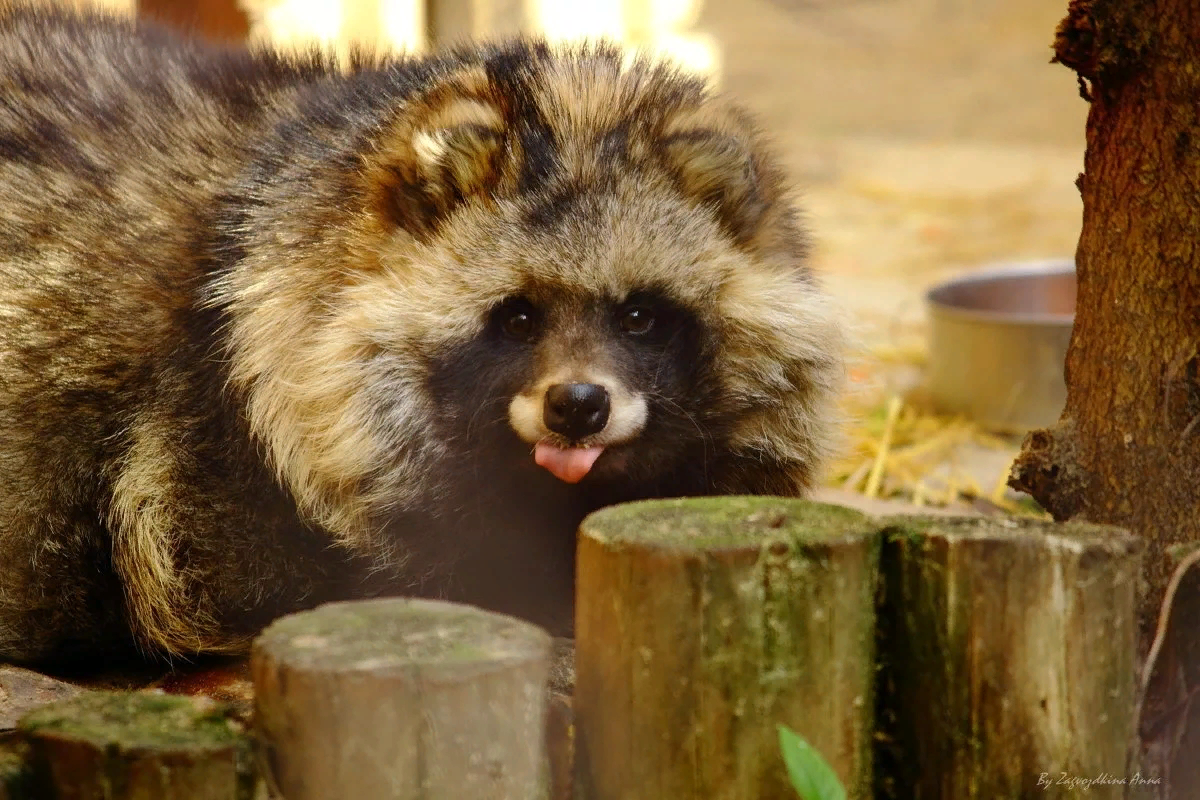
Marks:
<point>926,139</point>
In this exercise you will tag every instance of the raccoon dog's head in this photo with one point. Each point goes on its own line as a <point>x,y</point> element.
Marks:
<point>589,258</point>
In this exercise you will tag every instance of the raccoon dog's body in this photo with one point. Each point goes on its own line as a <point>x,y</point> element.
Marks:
<point>273,333</point>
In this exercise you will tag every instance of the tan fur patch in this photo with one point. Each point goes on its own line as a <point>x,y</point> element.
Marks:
<point>718,171</point>
<point>784,354</point>
<point>584,97</point>
<point>146,536</point>
<point>305,388</point>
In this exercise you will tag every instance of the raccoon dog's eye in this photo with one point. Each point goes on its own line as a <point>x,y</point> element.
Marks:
<point>518,319</point>
<point>636,320</point>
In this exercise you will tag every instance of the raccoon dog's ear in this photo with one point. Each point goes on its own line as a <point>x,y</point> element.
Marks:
<point>438,152</point>
<point>716,166</point>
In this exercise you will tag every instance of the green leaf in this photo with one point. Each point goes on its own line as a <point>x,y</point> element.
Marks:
<point>811,775</point>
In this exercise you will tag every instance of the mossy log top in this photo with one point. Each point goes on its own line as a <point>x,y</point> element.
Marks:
<point>137,746</point>
<point>723,523</point>
<point>135,721</point>
<point>22,690</point>
<point>400,633</point>
<point>1068,537</point>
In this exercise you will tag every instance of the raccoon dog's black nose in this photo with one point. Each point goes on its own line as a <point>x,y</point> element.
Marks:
<point>576,410</point>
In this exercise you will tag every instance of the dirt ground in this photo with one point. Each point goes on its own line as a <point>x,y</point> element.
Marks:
<point>927,137</point>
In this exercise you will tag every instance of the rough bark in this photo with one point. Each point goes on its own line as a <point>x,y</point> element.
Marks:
<point>1126,450</point>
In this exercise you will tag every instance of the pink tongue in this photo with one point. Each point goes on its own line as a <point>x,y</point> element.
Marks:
<point>566,465</point>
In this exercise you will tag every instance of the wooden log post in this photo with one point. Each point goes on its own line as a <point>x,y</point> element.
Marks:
<point>403,698</point>
<point>130,746</point>
<point>1006,660</point>
<point>703,624</point>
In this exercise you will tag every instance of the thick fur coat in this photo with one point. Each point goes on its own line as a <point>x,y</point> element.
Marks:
<point>274,332</point>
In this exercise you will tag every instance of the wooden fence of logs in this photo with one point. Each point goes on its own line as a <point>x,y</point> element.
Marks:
<point>923,658</point>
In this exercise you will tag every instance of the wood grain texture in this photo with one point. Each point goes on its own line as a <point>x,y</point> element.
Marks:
<point>1007,659</point>
<point>701,625</point>
<point>399,698</point>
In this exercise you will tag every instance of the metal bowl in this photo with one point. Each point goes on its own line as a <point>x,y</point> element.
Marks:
<point>998,343</point>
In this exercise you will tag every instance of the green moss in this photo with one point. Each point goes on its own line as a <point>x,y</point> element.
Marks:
<point>724,522</point>
<point>136,745</point>
<point>137,720</point>
<point>1066,534</point>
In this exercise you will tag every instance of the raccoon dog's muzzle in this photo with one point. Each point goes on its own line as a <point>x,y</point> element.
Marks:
<point>571,419</point>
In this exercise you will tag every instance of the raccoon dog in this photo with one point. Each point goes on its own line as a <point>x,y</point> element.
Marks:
<point>274,332</point>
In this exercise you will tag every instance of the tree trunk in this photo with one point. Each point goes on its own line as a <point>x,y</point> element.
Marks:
<point>1126,450</point>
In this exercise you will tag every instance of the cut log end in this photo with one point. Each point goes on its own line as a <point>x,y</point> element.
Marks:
<point>399,633</point>
<point>1082,539</point>
<point>715,523</point>
<point>135,721</point>
<point>111,744</point>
